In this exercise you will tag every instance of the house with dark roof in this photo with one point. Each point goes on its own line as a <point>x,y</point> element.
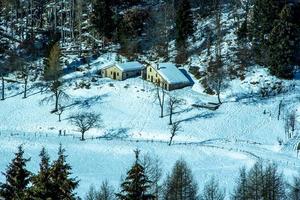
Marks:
<point>122,71</point>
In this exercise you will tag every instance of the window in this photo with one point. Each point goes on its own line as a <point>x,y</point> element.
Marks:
<point>150,69</point>
<point>148,76</point>
<point>111,73</point>
<point>118,74</point>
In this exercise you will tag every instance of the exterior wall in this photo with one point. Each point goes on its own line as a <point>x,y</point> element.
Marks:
<point>113,72</point>
<point>156,78</point>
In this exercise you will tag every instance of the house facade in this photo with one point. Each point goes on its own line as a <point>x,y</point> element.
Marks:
<point>167,76</point>
<point>122,71</point>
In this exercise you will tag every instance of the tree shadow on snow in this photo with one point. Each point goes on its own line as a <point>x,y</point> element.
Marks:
<point>199,116</point>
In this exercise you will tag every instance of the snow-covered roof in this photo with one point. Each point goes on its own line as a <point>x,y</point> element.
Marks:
<point>127,66</point>
<point>171,73</point>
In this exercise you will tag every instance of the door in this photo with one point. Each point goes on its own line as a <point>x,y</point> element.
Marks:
<point>151,78</point>
<point>115,75</point>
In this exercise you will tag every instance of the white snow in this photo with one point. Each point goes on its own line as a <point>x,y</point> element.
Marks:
<point>171,73</point>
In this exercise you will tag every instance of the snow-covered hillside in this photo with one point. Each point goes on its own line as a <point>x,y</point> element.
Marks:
<point>243,130</point>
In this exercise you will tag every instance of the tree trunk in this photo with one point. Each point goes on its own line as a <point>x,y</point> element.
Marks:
<point>82,136</point>
<point>25,88</point>
<point>56,101</point>
<point>59,117</point>
<point>219,98</point>
<point>2,93</point>
<point>170,118</point>
<point>171,139</point>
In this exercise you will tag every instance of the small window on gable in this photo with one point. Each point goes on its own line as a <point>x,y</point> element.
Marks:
<point>150,69</point>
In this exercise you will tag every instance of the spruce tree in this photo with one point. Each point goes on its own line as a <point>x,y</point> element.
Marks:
<point>294,189</point>
<point>282,44</point>
<point>17,178</point>
<point>42,184</point>
<point>180,185</point>
<point>63,185</point>
<point>265,12</point>
<point>136,185</point>
<point>184,28</point>
<point>212,191</point>
<point>103,18</point>
<point>241,192</point>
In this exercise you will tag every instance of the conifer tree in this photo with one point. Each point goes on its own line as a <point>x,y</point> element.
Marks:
<point>241,192</point>
<point>180,185</point>
<point>136,185</point>
<point>282,44</point>
<point>63,185</point>
<point>264,14</point>
<point>102,18</point>
<point>212,191</point>
<point>294,189</point>
<point>184,28</point>
<point>52,74</point>
<point>42,185</point>
<point>17,178</point>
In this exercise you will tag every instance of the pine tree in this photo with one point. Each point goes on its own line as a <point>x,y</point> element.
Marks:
<point>17,178</point>
<point>103,18</point>
<point>241,192</point>
<point>212,191</point>
<point>256,181</point>
<point>184,29</point>
<point>136,185</point>
<point>265,12</point>
<point>52,74</point>
<point>63,185</point>
<point>180,185</point>
<point>282,44</point>
<point>294,189</point>
<point>42,185</point>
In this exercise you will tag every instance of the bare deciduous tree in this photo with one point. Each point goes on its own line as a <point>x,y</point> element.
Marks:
<point>173,103</point>
<point>160,95</point>
<point>85,121</point>
<point>153,170</point>
<point>174,130</point>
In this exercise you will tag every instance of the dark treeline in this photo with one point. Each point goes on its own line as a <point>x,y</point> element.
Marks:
<point>143,181</point>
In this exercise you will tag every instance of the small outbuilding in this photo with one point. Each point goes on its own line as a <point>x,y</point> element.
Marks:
<point>167,76</point>
<point>122,71</point>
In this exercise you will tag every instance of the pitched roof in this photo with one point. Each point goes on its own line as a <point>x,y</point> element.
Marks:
<point>127,66</point>
<point>171,73</point>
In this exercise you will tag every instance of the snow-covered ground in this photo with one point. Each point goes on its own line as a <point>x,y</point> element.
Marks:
<point>244,129</point>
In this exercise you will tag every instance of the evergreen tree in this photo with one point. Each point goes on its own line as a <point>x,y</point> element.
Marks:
<point>103,17</point>
<point>282,44</point>
<point>52,74</point>
<point>241,192</point>
<point>136,185</point>
<point>294,189</point>
<point>180,185</point>
<point>63,185</point>
<point>17,178</point>
<point>264,14</point>
<point>184,28</point>
<point>212,191</point>
<point>256,181</point>
<point>42,185</point>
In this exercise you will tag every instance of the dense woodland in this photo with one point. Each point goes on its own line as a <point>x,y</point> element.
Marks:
<point>267,31</point>
<point>143,181</point>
